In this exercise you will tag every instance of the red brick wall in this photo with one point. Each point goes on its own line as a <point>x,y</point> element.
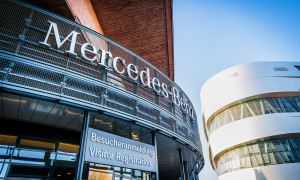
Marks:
<point>143,26</point>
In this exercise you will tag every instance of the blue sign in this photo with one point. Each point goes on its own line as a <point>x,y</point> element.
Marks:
<point>110,149</point>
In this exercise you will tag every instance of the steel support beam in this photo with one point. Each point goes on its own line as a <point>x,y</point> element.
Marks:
<point>86,118</point>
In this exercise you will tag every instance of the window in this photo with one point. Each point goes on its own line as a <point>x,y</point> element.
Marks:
<point>105,172</point>
<point>260,154</point>
<point>255,107</point>
<point>7,143</point>
<point>34,158</point>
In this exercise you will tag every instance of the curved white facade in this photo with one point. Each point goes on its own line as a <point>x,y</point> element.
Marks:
<point>251,117</point>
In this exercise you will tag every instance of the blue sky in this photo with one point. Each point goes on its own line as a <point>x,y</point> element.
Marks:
<point>213,35</point>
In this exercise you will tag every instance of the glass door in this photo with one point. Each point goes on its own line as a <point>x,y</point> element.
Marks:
<point>36,158</point>
<point>106,172</point>
<point>33,158</point>
<point>7,144</point>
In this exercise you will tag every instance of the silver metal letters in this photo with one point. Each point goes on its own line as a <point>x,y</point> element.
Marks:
<point>131,70</point>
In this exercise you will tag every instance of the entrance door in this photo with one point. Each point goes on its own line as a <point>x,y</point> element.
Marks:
<point>33,158</point>
<point>106,172</point>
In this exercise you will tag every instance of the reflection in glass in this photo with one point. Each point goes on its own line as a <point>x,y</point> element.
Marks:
<point>36,157</point>
<point>6,149</point>
<point>69,148</point>
<point>260,154</point>
<point>255,107</point>
<point>21,157</point>
<point>121,128</point>
<point>105,172</point>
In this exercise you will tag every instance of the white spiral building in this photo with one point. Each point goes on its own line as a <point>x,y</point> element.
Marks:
<point>251,117</point>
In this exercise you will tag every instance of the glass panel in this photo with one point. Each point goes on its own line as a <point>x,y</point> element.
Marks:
<point>297,102</point>
<point>275,104</point>
<point>241,152</point>
<point>125,129</point>
<point>8,140</point>
<point>212,128</point>
<point>238,111</point>
<point>258,106</point>
<point>117,170</point>
<point>99,175</point>
<point>290,156</point>
<point>255,107</point>
<point>137,174</point>
<point>254,161</point>
<point>37,144</point>
<point>252,108</point>
<point>265,158</point>
<point>228,118</point>
<point>296,155</point>
<point>266,108</point>
<point>126,172</point>
<point>278,158</point>
<point>255,148</point>
<point>276,145</point>
<point>6,148</point>
<point>63,173</point>
<point>30,171</point>
<point>262,148</point>
<point>243,163</point>
<point>259,159</point>
<point>260,154</point>
<point>293,103</point>
<point>103,168</point>
<point>99,171</point>
<point>70,148</point>
<point>217,124</point>
<point>248,112</point>
<point>146,176</point>
<point>121,178</point>
<point>248,162</point>
<point>288,105</point>
<point>66,160</point>
<point>284,156</point>
<point>26,156</point>
<point>234,114</point>
<point>221,121</point>
<point>285,145</point>
<point>65,165</point>
<point>5,152</point>
<point>272,159</point>
<point>3,169</point>
<point>296,142</point>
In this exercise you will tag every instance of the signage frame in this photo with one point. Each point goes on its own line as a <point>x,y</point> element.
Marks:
<point>110,149</point>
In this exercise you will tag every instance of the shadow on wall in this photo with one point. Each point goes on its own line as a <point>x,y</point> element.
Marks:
<point>259,175</point>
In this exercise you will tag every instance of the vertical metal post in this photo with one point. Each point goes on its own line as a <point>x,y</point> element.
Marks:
<point>86,118</point>
<point>182,165</point>
<point>135,90</point>
<point>155,144</point>
<point>105,78</point>
<point>158,119</point>
<point>12,151</point>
